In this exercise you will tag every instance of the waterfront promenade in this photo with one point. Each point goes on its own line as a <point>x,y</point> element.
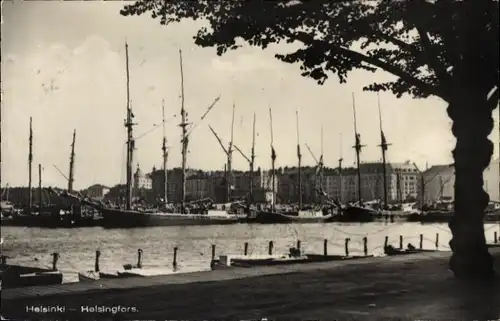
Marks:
<point>412,287</point>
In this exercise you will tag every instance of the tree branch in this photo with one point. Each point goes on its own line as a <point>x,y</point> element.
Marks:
<point>307,39</point>
<point>431,54</point>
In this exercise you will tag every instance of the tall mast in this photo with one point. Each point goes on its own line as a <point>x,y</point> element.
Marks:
<point>40,186</point>
<point>30,166</point>
<point>321,161</point>
<point>130,139</point>
<point>185,138</point>
<point>357,147</point>
<point>299,156</point>
<point>340,170</point>
<point>273,160</point>
<point>165,156</point>
<point>229,179</point>
<point>383,145</point>
<point>72,164</point>
<point>252,160</point>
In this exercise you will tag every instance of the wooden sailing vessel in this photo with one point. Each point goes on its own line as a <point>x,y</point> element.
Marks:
<point>356,212</point>
<point>229,205</point>
<point>129,217</point>
<point>272,216</point>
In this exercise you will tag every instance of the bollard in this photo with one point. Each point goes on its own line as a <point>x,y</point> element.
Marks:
<point>495,235</point>
<point>386,242</point>
<point>97,256</point>
<point>437,241</point>
<point>4,259</point>
<point>365,245</point>
<point>55,258</point>
<point>347,246</point>
<point>421,241</point>
<point>401,242</point>
<point>245,249</point>
<point>298,245</point>
<point>139,258</point>
<point>174,263</point>
<point>270,251</point>
<point>325,247</point>
<point>213,252</point>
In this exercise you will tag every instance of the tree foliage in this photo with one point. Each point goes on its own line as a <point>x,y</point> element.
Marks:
<point>420,42</point>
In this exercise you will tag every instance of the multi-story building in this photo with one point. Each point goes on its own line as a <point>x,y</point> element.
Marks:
<point>141,180</point>
<point>96,191</point>
<point>212,184</point>
<point>491,178</point>
<point>438,183</point>
<point>401,180</point>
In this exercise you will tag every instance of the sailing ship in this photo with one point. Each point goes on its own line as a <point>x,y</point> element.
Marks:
<point>356,212</point>
<point>129,217</point>
<point>302,215</point>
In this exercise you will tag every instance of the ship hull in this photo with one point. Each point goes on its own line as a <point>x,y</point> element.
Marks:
<point>115,218</point>
<point>265,217</point>
<point>47,221</point>
<point>15,276</point>
<point>355,215</point>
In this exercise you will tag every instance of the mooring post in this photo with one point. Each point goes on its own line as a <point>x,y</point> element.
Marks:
<point>4,259</point>
<point>96,265</point>
<point>365,245</point>
<point>495,235</point>
<point>139,258</point>
<point>245,249</point>
<point>174,263</point>
<point>325,247</point>
<point>55,258</point>
<point>347,246</point>
<point>298,244</point>
<point>213,252</point>
<point>270,251</point>
<point>401,242</point>
<point>386,242</point>
<point>437,241</point>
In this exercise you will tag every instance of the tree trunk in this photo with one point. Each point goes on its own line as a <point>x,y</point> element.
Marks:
<point>472,123</point>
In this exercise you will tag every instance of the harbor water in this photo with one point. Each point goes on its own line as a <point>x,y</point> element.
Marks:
<point>33,246</point>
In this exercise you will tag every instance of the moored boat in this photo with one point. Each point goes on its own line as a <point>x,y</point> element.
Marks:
<point>301,216</point>
<point>120,218</point>
<point>356,214</point>
<point>15,276</point>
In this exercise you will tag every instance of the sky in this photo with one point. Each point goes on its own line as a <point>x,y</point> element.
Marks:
<point>63,63</point>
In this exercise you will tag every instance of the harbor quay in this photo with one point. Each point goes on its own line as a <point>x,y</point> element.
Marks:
<point>407,287</point>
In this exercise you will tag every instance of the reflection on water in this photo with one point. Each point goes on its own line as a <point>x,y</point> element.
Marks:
<point>77,246</point>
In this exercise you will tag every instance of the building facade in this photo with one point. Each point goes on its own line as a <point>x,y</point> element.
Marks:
<point>491,178</point>
<point>96,191</point>
<point>141,180</point>
<point>438,184</point>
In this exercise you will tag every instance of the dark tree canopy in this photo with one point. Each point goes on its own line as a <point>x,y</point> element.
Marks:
<point>423,43</point>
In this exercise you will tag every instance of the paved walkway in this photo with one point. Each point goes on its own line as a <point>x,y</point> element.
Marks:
<point>417,286</point>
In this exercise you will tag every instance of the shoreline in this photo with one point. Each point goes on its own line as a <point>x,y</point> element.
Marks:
<point>346,289</point>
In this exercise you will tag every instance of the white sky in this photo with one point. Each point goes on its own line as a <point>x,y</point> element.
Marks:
<point>63,64</point>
